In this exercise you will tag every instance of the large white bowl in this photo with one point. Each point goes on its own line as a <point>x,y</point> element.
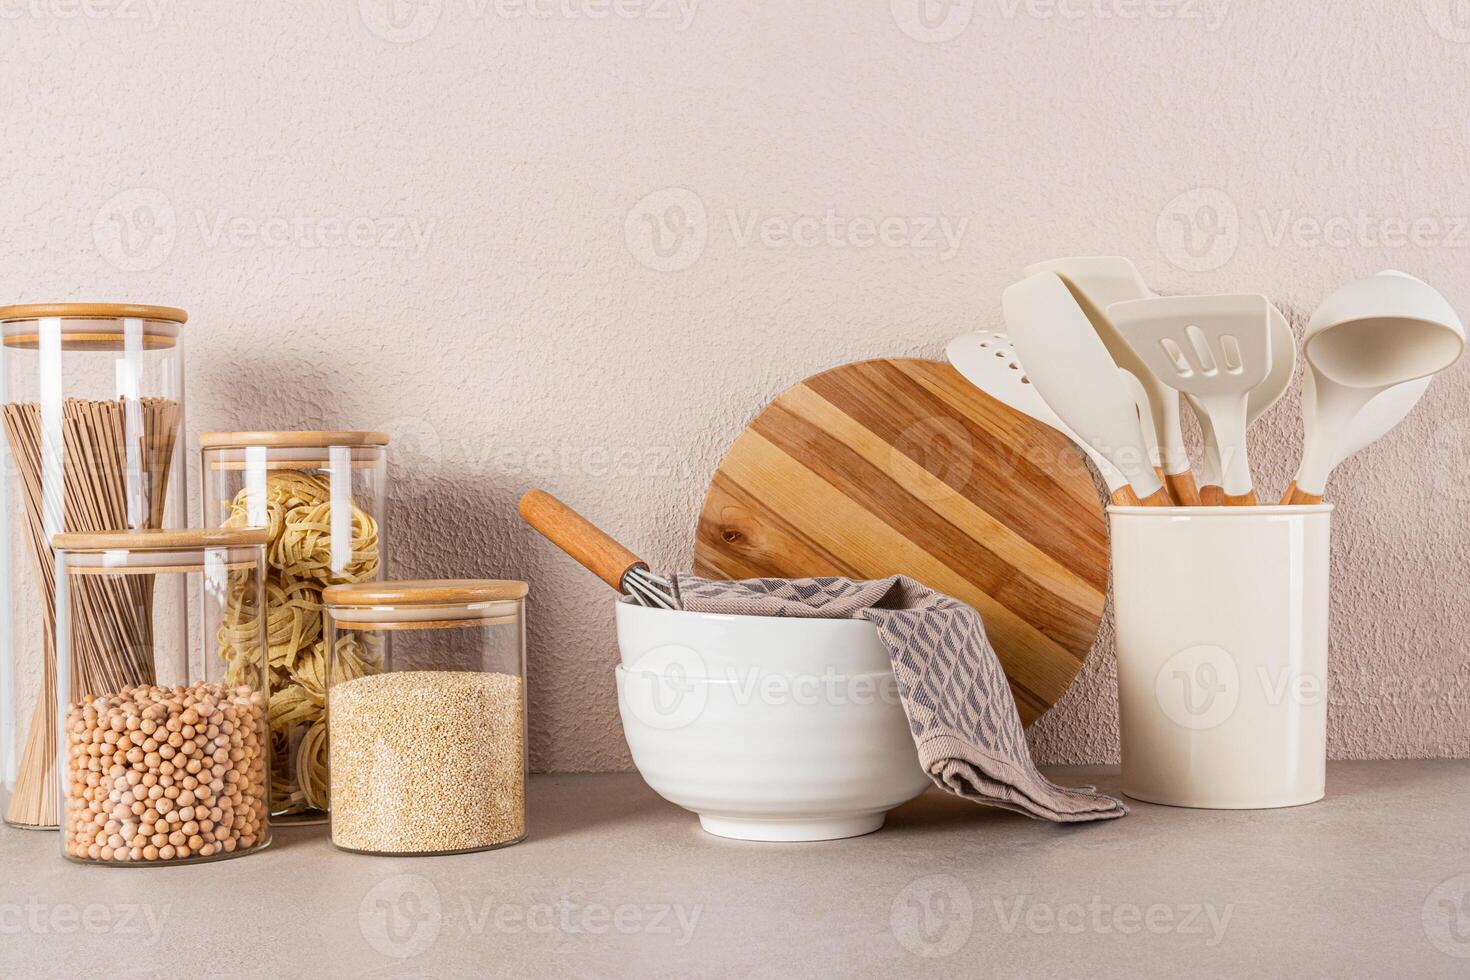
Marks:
<point>798,751</point>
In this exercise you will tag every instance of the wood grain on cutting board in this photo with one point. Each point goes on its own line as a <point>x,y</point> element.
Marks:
<point>902,466</point>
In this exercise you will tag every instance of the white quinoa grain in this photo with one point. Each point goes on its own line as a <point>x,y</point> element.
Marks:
<point>427,761</point>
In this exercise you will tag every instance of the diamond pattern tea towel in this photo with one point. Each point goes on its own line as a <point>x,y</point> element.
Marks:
<point>954,692</point>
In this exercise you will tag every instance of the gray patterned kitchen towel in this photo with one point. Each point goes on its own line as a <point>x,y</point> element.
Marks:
<point>954,692</point>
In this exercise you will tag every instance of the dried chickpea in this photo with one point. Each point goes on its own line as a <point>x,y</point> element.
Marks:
<point>149,777</point>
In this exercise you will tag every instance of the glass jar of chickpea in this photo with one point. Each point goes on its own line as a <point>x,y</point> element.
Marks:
<point>162,728</point>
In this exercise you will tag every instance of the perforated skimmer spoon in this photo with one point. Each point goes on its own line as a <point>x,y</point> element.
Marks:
<point>988,360</point>
<point>1216,349</point>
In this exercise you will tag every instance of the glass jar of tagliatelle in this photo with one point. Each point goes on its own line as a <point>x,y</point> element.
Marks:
<point>321,497</point>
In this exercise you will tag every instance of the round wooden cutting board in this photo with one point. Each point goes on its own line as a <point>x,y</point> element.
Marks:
<point>903,467</point>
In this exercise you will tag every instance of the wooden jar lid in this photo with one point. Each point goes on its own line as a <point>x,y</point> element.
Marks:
<point>425,592</point>
<point>93,311</point>
<point>92,326</point>
<point>182,539</point>
<point>306,439</point>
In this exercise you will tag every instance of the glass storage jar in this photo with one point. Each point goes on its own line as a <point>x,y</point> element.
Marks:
<point>164,758</point>
<point>93,395</point>
<point>427,714</point>
<point>322,497</point>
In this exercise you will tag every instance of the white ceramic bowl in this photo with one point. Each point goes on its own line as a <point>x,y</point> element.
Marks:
<point>770,729</point>
<point>771,760</point>
<point>711,645</point>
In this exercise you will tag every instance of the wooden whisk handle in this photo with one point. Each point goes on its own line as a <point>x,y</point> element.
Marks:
<point>593,547</point>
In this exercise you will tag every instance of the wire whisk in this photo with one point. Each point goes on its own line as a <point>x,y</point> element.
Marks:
<point>596,550</point>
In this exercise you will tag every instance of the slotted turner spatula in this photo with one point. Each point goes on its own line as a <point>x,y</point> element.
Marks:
<point>1262,397</point>
<point>1216,349</point>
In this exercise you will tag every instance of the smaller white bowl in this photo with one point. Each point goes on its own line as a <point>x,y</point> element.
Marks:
<point>771,756</point>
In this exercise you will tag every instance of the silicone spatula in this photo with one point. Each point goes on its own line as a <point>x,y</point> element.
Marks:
<point>1098,282</point>
<point>1077,377</point>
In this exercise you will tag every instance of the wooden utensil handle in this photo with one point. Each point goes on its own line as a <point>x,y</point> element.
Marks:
<point>1158,499</point>
<point>1124,497</point>
<point>593,547</point>
<point>1211,495</point>
<point>1294,495</point>
<point>1182,489</point>
<point>1247,499</point>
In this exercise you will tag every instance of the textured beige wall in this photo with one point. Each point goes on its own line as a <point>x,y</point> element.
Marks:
<point>437,217</point>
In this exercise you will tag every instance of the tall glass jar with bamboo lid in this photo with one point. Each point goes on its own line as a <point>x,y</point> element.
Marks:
<point>93,395</point>
<point>427,708</point>
<point>322,496</point>
<point>164,753</point>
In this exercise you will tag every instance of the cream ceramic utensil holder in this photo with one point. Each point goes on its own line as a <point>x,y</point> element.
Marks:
<point>1222,653</point>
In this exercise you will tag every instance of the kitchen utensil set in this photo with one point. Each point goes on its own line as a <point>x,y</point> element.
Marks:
<point>1095,354</point>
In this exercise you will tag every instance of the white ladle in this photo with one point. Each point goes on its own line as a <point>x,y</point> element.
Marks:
<point>1365,340</point>
<point>1076,376</point>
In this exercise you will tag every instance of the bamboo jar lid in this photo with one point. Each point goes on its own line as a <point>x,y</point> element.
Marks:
<point>426,592</point>
<point>94,311</point>
<point>306,439</point>
<point>92,326</point>
<point>421,604</point>
<point>183,539</point>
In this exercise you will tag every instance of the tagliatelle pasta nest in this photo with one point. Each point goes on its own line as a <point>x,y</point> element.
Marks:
<point>301,563</point>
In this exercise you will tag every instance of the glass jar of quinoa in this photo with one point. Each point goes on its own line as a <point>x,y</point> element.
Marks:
<point>428,741</point>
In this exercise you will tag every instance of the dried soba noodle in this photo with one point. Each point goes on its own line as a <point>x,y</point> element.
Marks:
<point>112,628</point>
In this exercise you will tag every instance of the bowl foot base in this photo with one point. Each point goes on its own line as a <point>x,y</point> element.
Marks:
<point>819,828</point>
